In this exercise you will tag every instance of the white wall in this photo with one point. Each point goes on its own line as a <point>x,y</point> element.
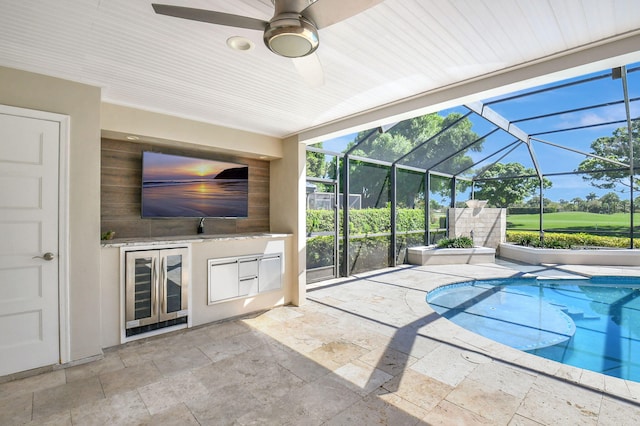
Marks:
<point>288,209</point>
<point>119,121</point>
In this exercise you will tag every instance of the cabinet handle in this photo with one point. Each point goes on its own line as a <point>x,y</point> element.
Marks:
<point>154,284</point>
<point>252,277</point>
<point>163,286</point>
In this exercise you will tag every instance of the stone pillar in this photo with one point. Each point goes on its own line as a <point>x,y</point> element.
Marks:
<point>488,225</point>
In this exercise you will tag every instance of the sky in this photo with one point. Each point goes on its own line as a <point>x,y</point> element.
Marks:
<point>159,166</point>
<point>552,159</point>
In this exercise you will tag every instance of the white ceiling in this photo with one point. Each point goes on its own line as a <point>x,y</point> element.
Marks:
<point>393,51</point>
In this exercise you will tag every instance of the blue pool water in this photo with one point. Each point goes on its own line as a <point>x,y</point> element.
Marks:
<point>588,323</point>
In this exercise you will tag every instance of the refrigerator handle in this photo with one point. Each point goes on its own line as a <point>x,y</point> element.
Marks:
<point>163,284</point>
<point>154,284</point>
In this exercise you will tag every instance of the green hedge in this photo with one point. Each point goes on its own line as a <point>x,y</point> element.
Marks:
<point>459,242</point>
<point>558,240</point>
<point>367,221</point>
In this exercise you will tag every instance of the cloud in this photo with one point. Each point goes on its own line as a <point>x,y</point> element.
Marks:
<point>589,118</point>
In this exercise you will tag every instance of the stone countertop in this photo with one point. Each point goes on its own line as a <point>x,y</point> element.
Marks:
<point>184,239</point>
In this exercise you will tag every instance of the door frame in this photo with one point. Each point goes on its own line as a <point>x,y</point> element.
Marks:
<point>64,137</point>
<point>336,232</point>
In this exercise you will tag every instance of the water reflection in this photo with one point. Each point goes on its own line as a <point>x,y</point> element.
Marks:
<point>210,198</point>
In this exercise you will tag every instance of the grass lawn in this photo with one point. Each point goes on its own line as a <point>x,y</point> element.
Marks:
<point>609,224</point>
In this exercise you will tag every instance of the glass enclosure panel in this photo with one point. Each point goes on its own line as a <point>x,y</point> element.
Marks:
<point>369,223</point>
<point>439,202</point>
<point>595,211</point>
<point>580,209</point>
<point>174,283</point>
<point>321,228</point>
<point>463,192</point>
<point>410,226</point>
<point>455,133</point>
<point>387,146</point>
<point>144,287</point>
<point>563,130</point>
<point>601,90</point>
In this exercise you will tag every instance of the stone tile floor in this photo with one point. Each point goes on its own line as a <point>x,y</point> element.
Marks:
<point>363,350</point>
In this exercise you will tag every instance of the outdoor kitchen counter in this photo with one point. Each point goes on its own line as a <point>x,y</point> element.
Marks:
<point>184,239</point>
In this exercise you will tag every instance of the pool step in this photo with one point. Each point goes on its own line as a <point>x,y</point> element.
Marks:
<point>576,314</point>
<point>573,313</point>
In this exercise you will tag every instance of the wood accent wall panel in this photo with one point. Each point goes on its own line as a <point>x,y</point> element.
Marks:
<point>121,191</point>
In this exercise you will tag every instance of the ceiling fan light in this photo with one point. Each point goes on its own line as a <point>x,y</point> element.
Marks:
<point>291,37</point>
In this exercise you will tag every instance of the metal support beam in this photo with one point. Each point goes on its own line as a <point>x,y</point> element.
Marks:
<point>427,208</point>
<point>336,220</point>
<point>541,224</point>
<point>345,217</point>
<point>453,192</point>
<point>394,210</point>
<point>535,162</point>
<point>498,120</point>
<point>464,148</point>
<point>577,151</point>
<point>484,169</point>
<point>625,89</point>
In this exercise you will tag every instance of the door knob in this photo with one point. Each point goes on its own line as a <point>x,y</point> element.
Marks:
<point>46,256</point>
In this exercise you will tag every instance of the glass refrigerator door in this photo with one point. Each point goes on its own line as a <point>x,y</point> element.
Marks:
<point>141,278</point>
<point>173,284</point>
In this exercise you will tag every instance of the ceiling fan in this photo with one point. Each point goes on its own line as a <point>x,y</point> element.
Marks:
<point>292,32</point>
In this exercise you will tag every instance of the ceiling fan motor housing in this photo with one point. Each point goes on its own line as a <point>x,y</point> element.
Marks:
<point>291,35</point>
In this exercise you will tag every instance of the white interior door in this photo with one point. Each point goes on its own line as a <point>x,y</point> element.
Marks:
<point>29,266</point>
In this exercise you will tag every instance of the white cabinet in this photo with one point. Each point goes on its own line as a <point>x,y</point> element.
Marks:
<point>270,276</point>
<point>225,273</point>
<point>234,277</point>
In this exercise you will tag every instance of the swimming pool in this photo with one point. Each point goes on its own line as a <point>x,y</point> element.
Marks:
<point>588,323</point>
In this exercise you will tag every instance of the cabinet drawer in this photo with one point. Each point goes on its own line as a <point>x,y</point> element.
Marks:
<point>248,286</point>
<point>248,268</point>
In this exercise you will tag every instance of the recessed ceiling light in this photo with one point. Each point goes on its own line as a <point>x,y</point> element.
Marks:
<point>133,138</point>
<point>239,43</point>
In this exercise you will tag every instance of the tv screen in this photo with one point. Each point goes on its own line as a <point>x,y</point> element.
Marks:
<point>177,186</point>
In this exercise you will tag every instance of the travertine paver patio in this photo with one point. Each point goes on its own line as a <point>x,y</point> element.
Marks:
<point>363,350</point>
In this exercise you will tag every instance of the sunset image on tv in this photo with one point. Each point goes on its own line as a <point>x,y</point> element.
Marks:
<point>177,186</point>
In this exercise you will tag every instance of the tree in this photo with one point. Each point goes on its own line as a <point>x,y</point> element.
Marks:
<point>508,192</point>
<point>372,181</point>
<point>316,164</point>
<point>625,206</point>
<point>615,147</point>
<point>610,202</point>
<point>578,204</point>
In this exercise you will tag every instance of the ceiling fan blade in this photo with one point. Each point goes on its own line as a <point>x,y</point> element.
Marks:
<point>327,12</point>
<point>210,17</point>
<point>310,69</point>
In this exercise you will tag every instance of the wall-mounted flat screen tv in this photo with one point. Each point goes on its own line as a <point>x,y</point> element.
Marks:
<point>177,186</point>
